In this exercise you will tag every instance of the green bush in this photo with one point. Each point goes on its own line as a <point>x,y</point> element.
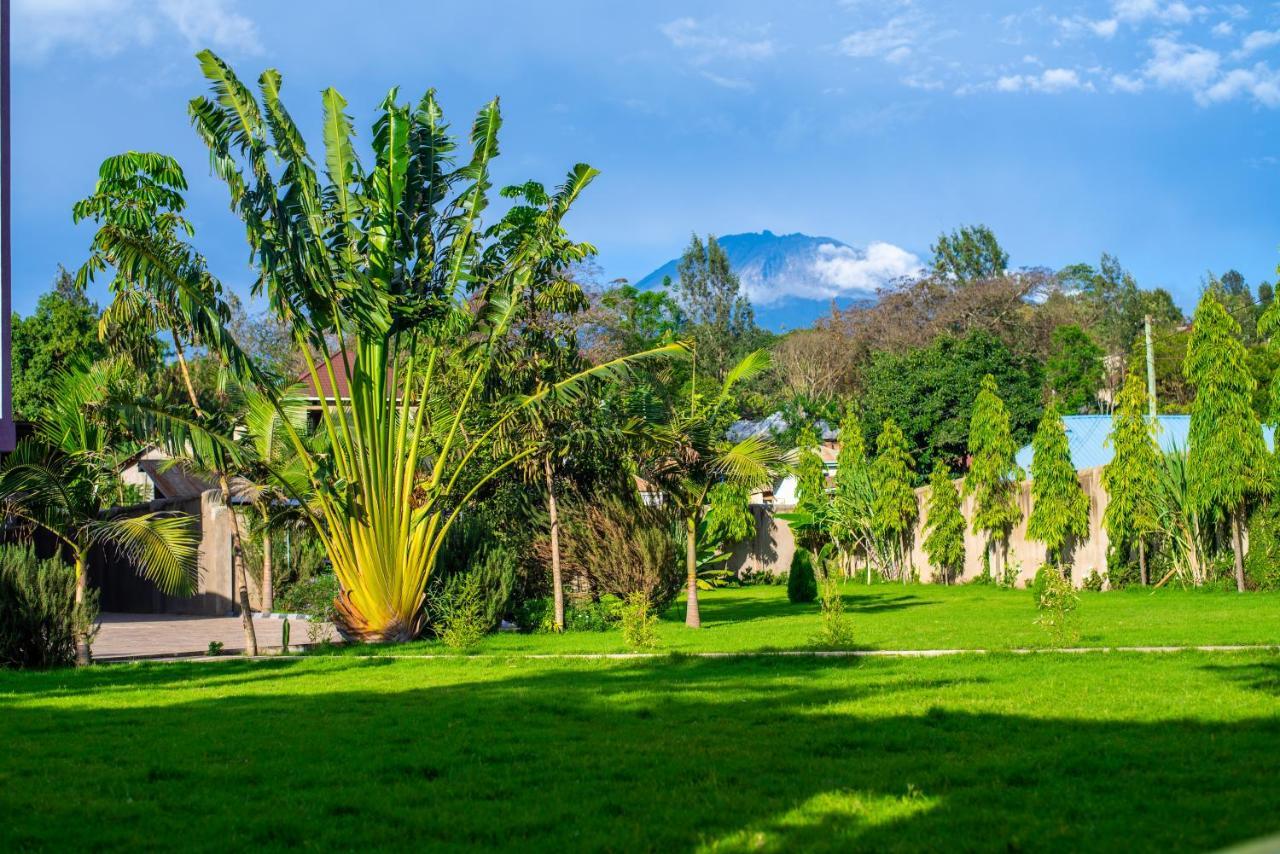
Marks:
<point>1262,561</point>
<point>313,597</point>
<point>461,618</point>
<point>801,584</point>
<point>39,619</point>
<point>1095,582</point>
<point>1057,602</point>
<point>538,615</point>
<point>472,554</point>
<point>763,577</point>
<point>639,623</point>
<point>836,631</point>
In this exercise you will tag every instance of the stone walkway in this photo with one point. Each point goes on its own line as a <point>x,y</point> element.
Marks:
<point>165,635</point>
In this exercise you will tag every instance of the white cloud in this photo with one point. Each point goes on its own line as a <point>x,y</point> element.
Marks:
<point>724,82</point>
<point>1256,41</point>
<point>884,41</point>
<point>704,44</point>
<point>1138,11</point>
<point>1128,85</point>
<point>1051,81</point>
<point>1223,29</point>
<point>842,270</point>
<point>1260,83</point>
<point>1182,66</point>
<point>104,28</point>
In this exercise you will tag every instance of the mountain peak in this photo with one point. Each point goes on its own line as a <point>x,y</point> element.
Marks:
<point>797,276</point>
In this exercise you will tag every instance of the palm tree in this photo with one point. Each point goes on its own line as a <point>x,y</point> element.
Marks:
<point>691,454</point>
<point>66,478</point>
<point>387,279</point>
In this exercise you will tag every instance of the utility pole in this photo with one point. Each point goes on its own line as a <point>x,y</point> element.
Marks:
<point>1151,370</point>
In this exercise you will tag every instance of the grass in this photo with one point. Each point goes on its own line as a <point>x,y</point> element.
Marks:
<point>923,616</point>
<point>1116,751</point>
<point>999,752</point>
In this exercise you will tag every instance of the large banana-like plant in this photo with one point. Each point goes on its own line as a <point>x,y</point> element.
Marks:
<point>393,291</point>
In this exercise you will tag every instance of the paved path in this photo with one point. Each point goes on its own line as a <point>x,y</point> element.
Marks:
<point>156,635</point>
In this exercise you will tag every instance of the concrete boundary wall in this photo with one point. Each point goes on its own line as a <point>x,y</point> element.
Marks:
<point>773,545</point>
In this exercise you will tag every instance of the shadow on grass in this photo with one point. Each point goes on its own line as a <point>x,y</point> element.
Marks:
<point>1256,676</point>
<point>672,756</point>
<point>740,610</point>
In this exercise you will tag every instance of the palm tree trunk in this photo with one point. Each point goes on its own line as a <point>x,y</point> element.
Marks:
<point>84,656</point>
<point>268,569</point>
<point>237,546</point>
<point>557,580</point>
<point>692,618</point>
<point>242,583</point>
<point>1237,546</point>
<point>1142,559</point>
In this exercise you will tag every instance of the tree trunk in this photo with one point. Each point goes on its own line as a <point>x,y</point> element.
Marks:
<point>902,550</point>
<point>1237,546</point>
<point>268,567</point>
<point>84,656</point>
<point>1142,559</point>
<point>242,582</point>
<point>557,581</point>
<point>692,618</point>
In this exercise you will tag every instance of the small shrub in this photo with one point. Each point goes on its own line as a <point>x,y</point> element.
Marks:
<point>639,623</point>
<point>1095,582</point>
<point>763,578</point>
<point>535,615</point>
<point>619,546</point>
<point>801,585</point>
<point>836,630</point>
<point>313,598</point>
<point>591,616</point>
<point>39,619</point>
<point>215,648</point>
<point>1057,602</point>
<point>461,621</point>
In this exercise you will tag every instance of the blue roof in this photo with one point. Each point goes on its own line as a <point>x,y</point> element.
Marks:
<point>1087,437</point>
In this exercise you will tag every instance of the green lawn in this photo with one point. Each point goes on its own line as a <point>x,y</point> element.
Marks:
<point>928,616</point>
<point>998,752</point>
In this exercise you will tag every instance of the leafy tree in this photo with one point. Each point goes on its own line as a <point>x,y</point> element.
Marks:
<point>1132,508</point>
<point>969,254</point>
<point>624,319</point>
<point>852,505</point>
<point>1059,507</point>
<point>930,394</point>
<point>62,330</point>
<point>993,475</point>
<point>388,264</point>
<point>1116,305</point>
<point>894,507</point>
<point>1227,460</point>
<point>66,476</point>
<point>714,305</point>
<point>729,520</point>
<point>1074,369</point>
<point>812,515</point>
<point>945,523</point>
<point>689,455</point>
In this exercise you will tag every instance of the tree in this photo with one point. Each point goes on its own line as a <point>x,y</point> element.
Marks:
<point>944,543</point>
<point>1059,507</point>
<point>714,305</point>
<point>813,506</point>
<point>894,507</point>
<point>690,454</point>
<point>929,393</point>
<point>1129,479</point>
<point>852,505</point>
<point>1074,369</point>
<point>993,474</point>
<point>62,330</point>
<point>969,254</point>
<point>1227,460</point>
<point>390,265</point>
<point>624,319</point>
<point>65,478</point>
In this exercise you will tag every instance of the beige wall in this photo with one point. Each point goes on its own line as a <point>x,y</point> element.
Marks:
<point>773,545</point>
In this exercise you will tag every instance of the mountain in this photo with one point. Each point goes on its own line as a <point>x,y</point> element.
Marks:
<point>792,279</point>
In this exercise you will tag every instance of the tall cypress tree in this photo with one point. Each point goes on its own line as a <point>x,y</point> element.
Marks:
<point>945,524</point>
<point>894,507</point>
<point>994,474</point>
<point>1129,479</point>
<point>813,505</point>
<point>1227,459</point>
<point>1059,507</point>
<point>851,507</point>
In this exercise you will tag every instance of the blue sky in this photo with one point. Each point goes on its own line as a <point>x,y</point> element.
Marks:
<point>1145,128</point>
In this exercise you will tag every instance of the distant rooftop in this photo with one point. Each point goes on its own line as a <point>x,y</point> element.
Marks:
<point>1087,438</point>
